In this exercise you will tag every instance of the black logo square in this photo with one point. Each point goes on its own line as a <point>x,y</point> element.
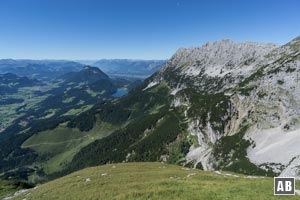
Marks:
<point>284,186</point>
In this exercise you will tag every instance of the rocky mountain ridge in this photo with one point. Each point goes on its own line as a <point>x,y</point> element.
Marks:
<point>218,65</point>
<point>259,83</point>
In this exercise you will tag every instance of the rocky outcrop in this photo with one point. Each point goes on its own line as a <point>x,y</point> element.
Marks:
<point>260,85</point>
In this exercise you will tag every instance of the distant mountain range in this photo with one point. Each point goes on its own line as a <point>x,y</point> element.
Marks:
<point>39,69</point>
<point>51,69</point>
<point>127,67</point>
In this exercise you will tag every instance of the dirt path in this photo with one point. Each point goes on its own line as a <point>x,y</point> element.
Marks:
<point>53,143</point>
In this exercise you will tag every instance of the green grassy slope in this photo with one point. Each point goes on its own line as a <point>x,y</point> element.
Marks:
<point>10,187</point>
<point>57,147</point>
<point>153,181</point>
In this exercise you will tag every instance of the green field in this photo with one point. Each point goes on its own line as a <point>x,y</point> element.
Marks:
<point>154,181</point>
<point>58,146</point>
<point>8,113</point>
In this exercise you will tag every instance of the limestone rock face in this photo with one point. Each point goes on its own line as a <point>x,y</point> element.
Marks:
<point>251,96</point>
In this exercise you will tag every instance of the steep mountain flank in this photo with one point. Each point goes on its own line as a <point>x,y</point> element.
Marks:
<point>272,105</point>
<point>236,105</point>
<point>201,80</point>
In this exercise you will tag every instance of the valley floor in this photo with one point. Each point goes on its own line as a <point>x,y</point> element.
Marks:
<point>154,181</point>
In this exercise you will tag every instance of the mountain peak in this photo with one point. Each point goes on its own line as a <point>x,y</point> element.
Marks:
<point>219,42</point>
<point>87,74</point>
<point>225,47</point>
<point>223,54</point>
<point>94,70</point>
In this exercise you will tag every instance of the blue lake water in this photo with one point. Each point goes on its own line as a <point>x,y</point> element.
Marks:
<point>120,92</point>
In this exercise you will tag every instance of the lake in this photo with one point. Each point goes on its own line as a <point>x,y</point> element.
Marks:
<point>120,92</point>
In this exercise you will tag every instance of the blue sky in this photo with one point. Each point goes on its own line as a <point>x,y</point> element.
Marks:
<point>138,29</point>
